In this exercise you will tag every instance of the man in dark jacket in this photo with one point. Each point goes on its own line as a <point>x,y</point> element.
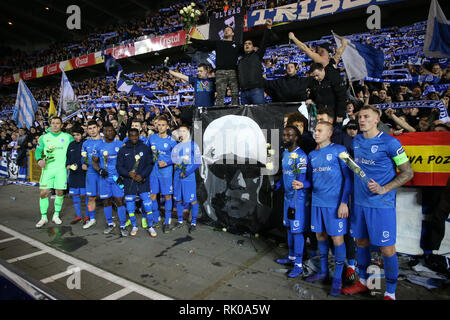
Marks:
<point>290,88</point>
<point>227,53</point>
<point>328,89</point>
<point>250,69</point>
<point>134,164</point>
<point>77,176</point>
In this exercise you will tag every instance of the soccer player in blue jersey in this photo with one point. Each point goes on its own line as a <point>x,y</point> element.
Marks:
<point>331,184</point>
<point>161,180</point>
<point>374,218</point>
<point>295,219</point>
<point>111,185</point>
<point>134,164</point>
<point>92,176</point>
<point>77,176</point>
<point>187,158</point>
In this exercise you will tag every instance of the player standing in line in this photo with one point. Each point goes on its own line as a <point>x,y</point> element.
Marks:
<point>295,218</point>
<point>54,145</point>
<point>331,187</point>
<point>77,176</point>
<point>374,218</point>
<point>187,158</point>
<point>111,185</point>
<point>92,176</point>
<point>161,180</point>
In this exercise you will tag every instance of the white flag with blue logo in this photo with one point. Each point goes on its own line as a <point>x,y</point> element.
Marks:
<point>361,60</point>
<point>25,107</point>
<point>437,38</point>
<point>67,102</point>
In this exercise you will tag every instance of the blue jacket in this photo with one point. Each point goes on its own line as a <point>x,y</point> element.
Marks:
<point>77,178</point>
<point>125,164</point>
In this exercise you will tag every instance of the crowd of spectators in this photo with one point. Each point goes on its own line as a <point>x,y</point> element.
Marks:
<point>391,40</point>
<point>166,20</point>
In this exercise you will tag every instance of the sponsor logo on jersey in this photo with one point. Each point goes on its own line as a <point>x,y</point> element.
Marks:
<point>321,169</point>
<point>365,161</point>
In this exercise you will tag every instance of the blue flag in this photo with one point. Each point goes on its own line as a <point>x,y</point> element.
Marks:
<point>361,60</point>
<point>25,107</point>
<point>437,38</point>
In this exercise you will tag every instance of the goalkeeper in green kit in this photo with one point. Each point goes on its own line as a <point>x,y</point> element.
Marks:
<point>51,157</point>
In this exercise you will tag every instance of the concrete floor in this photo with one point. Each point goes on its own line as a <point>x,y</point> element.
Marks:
<point>206,265</point>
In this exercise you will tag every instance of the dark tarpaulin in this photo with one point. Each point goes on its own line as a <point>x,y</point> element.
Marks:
<point>237,195</point>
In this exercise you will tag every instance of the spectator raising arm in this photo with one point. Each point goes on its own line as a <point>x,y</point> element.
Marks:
<point>314,56</point>
<point>179,75</point>
<point>390,113</point>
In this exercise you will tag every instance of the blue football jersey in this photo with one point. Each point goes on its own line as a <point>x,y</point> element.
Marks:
<point>162,150</point>
<point>326,170</point>
<point>375,157</point>
<point>108,152</point>
<point>184,155</point>
<point>288,165</point>
<point>89,147</point>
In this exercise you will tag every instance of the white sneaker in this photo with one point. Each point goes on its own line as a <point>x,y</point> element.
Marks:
<point>41,222</point>
<point>134,231</point>
<point>152,232</point>
<point>89,224</point>
<point>56,220</point>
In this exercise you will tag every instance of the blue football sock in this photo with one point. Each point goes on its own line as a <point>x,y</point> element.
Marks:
<point>339,258</point>
<point>168,211</point>
<point>108,214</point>
<point>313,253</point>
<point>290,242</point>
<point>323,251</point>
<point>77,205</point>
<point>91,215</point>
<point>351,262</point>
<point>194,213</point>
<point>132,219</point>
<point>155,210</point>
<point>121,212</point>
<point>299,242</point>
<point>391,273</point>
<point>363,259</point>
<point>180,209</point>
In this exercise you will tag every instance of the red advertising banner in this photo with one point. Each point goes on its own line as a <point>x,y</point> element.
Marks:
<point>6,80</point>
<point>83,61</point>
<point>121,51</point>
<point>429,155</point>
<point>161,42</point>
<point>51,69</point>
<point>27,75</point>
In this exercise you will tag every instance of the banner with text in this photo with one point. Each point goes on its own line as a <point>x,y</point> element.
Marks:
<point>308,9</point>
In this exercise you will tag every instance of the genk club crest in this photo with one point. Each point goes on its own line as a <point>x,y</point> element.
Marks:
<point>329,157</point>
<point>374,148</point>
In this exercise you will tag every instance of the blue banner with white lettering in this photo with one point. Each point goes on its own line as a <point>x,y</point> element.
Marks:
<point>306,10</point>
